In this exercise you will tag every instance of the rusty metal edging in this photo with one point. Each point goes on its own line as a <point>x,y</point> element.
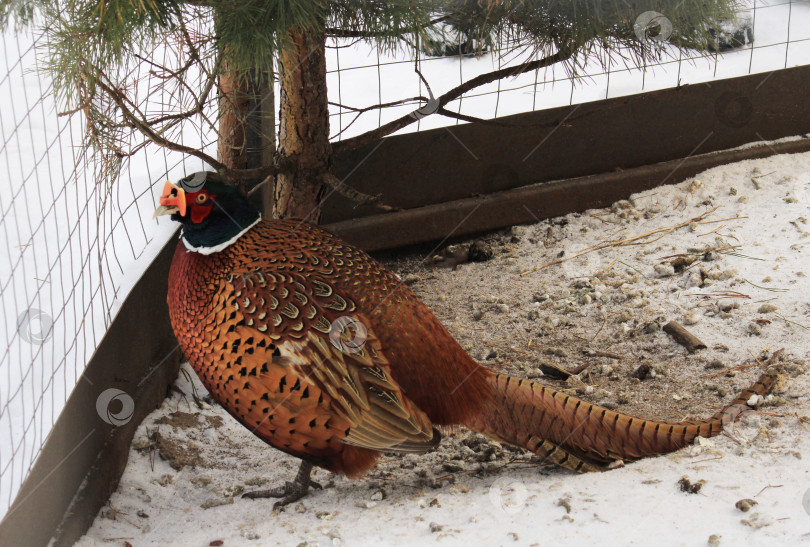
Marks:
<point>535,202</point>
<point>84,455</point>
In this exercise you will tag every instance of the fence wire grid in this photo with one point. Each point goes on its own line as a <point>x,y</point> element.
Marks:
<point>77,237</point>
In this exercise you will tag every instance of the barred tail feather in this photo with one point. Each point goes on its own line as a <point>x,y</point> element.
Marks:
<point>585,437</point>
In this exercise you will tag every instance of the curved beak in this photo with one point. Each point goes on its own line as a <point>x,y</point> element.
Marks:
<point>173,200</point>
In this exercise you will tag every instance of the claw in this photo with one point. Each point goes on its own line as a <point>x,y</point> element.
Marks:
<point>291,491</point>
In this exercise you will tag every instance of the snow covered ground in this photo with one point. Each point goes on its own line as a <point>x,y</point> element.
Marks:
<point>739,281</point>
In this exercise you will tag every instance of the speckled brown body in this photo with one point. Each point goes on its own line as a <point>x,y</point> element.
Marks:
<point>255,322</point>
<point>233,311</point>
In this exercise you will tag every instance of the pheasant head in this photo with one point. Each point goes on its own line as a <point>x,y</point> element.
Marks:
<point>213,213</point>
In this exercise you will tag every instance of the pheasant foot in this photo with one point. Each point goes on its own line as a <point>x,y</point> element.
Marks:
<point>291,491</point>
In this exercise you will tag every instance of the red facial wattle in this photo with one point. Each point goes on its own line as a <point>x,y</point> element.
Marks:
<point>200,205</point>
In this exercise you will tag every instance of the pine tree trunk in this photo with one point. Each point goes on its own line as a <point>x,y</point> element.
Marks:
<point>247,127</point>
<point>304,127</point>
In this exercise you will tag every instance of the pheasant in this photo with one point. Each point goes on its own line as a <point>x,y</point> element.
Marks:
<point>324,354</point>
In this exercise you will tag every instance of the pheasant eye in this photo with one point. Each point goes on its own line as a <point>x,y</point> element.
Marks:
<point>202,198</point>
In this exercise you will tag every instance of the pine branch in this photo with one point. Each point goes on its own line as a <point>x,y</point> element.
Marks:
<point>406,120</point>
<point>144,127</point>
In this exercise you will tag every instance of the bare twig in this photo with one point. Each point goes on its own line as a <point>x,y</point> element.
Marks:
<point>376,134</point>
<point>685,338</point>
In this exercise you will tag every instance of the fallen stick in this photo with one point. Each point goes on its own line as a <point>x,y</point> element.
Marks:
<point>685,338</point>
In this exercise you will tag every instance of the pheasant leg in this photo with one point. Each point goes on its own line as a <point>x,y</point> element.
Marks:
<point>291,491</point>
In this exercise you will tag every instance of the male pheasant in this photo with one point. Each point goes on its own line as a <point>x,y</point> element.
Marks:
<point>324,354</point>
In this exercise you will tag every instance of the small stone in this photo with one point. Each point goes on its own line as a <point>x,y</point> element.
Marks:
<point>652,327</point>
<point>623,398</point>
<point>216,502</point>
<point>664,270</point>
<point>690,318</point>
<point>480,251</point>
<point>410,279</point>
<point>434,528</point>
<point>323,515</point>
<point>745,505</point>
<point>452,467</point>
<point>582,284</point>
<point>714,539</point>
<point>540,297</point>
<point>379,495</point>
<point>492,354</point>
<point>249,534</point>
<point>754,329</point>
<point>585,299</point>
<point>624,316</point>
<point>478,315</point>
<point>142,444</point>
<point>767,308</point>
<point>755,400</point>
<point>643,372</point>
<point>715,364</point>
<point>727,308</point>
<point>502,308</point>
<point>689,487</point>
<point>142,514</point>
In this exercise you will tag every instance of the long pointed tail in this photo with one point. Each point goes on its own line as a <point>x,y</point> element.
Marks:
<point>585,437</point>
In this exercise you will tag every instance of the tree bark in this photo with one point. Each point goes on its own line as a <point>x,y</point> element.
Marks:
<point>304,127</point>
<point>247,127</point>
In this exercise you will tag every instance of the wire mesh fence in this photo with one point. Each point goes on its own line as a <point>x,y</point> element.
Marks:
<point>78,233</point>
<point>71,242</point>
